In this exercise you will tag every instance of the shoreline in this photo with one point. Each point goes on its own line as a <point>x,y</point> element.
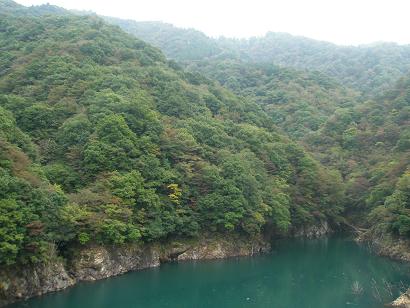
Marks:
<point>95,262</point>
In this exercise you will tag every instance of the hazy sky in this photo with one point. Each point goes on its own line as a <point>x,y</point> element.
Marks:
<point>338,21</point>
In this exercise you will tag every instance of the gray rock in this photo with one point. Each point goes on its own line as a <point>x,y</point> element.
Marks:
<point>317,230</point>
<point>99,262</point>
<point>29,281</point>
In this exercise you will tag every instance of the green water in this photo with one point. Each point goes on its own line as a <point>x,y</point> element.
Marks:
<point>299,273</point>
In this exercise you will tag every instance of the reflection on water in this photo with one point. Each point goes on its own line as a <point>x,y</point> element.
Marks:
<point>323,273</point>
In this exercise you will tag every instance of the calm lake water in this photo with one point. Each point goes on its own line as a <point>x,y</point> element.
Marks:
<point>325,273</point>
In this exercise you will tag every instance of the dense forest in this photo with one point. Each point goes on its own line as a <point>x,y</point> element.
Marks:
<point>103,140</point>
<point>106,140</point>
<point>298,102</point>
<point>369,143</point>
<point>349,107</point>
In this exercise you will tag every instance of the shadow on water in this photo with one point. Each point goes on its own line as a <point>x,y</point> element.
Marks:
<point>330,272</point>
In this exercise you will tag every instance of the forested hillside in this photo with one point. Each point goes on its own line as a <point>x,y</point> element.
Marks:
<point>297,102</point>
<point>352,115</point>
<point>369,68</point>
<point>105,141</point>
<point>370,144</point>
<point>366,140</point>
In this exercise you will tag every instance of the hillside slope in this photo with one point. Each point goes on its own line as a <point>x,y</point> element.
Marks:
<point>118,145</point>
<point>370,144</point>
<point>365,136</point>
<point>297,102</point>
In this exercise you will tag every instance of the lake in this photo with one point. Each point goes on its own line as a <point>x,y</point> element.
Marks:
<point>324,273</point>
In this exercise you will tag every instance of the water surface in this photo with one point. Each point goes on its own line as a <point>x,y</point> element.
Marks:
<point>323,273</point>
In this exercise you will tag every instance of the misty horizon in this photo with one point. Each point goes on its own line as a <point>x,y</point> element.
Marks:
<point>366,23</point>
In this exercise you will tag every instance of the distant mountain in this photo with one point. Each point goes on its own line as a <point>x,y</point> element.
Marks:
<point>370,68</point>
<point>367,68</point>
<point>11,7</point>
<point>177,43</point>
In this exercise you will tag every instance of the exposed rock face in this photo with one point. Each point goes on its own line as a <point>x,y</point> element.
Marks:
<point>98,262</point>
<point>211,249</point>
<point>387,246</point>
<point>403,301</point>
<point>319,229</point>
<point>398,249</point>
<point>31,281</point>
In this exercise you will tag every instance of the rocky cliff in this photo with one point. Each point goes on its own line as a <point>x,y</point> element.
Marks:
<point>319,229</point>
<point>29,281</point>
<point>99,262</point>
<point>386,245</point>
